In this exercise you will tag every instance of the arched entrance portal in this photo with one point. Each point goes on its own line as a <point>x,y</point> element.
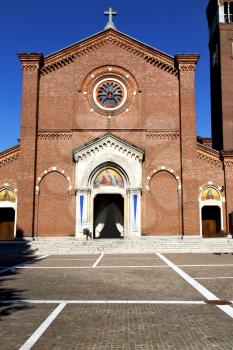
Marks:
<point>108,216</point>
<point>211,221</point>
<point>108,167</point>
<point>211,212</point>
<point>8,206</point>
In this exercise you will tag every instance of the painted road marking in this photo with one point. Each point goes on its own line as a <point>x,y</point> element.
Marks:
<point>202,290</point>
<point>185,302</point>
<point>22,265</point>
<point>81,259</point>
<point>42,328</point>
<point>209,265</point>
<point>98,260</point>
<point>87,267</point>
<point>212,278</point>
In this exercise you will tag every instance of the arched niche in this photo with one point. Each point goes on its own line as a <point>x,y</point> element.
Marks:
<point>8,213</point>
<point>162,204</point>
<point>211,212</point>
<point>53,212</point>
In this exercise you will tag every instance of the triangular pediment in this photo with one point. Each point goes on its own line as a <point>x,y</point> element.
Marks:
<point>108,37</point>
<point>108,140</point>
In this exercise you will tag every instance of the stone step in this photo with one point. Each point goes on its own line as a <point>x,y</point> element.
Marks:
<point>129,245</point>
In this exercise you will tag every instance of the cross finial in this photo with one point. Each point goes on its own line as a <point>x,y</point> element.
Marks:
<point>110,13</point>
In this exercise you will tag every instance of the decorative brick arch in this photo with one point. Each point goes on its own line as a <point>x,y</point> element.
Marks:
<point>50,170</point>
<point>162,168</point>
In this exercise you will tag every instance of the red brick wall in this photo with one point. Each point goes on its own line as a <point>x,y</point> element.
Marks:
<point>54,217</point>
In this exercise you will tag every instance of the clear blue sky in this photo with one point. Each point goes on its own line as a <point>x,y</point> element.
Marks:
<point>47,25</point>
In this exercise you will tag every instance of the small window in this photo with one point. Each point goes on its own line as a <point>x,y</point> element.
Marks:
<point>228,12</point>
<point>231,12</point>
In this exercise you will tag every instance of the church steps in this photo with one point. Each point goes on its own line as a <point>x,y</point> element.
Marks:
<point>135,245</point>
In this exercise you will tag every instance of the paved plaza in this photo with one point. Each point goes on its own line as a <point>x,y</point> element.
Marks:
<point>117,302</point>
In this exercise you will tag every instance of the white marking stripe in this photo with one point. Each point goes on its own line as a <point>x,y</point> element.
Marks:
<point>22,265</point>
<point>71,259</point>
<point>209,265</point>
<point>38,333</point>
<point>202,290</point>
<point>108,258</point>
<point>191,302</point>
<point>98,260</point>
<point>86,267</point>
<point>212,278</point>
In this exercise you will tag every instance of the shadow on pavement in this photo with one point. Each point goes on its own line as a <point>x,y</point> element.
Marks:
<point>12,254</point>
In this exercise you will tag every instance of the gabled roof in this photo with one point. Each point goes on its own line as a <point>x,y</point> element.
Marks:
<point>103,38</point>
<point>108,140</point>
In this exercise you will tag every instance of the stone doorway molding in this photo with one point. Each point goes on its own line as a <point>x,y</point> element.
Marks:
<point>216,200</point>
<point>10,203</point>
<point>108,151</point>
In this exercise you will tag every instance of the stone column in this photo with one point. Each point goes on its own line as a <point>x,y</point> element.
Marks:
<point>186,65</point>
<point>28,140</point>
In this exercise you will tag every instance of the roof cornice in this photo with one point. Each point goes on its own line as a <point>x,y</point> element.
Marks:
<point>108,37</point>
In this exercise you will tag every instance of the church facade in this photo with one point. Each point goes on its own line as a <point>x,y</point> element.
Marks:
<point>108,142</point>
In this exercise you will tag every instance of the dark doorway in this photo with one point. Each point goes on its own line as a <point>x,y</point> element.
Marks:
<point>211,221</point>
<point>108,216</point>
<point>7,222</point>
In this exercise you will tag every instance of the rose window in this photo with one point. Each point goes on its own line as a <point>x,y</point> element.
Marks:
<point>110,94</point>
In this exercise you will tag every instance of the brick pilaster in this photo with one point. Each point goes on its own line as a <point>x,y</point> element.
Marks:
<point>186,65</point>
<point>28,140</point>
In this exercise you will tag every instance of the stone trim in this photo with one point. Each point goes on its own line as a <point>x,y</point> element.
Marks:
<point>50,170</point>
<point>162,135</point>
<point>9,155</point>
<point>108,140</point>
<point>10,186</point>
<point>54,136</point>
<point>81,49</point>
<point>162,168</point>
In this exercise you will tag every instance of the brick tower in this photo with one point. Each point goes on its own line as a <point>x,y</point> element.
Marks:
<point>220,20</point>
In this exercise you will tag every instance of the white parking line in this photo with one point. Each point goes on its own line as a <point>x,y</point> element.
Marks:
<point>182,302</point>
<point>97,261</point>
<point>207,265</point>
<point>38,333</point>
<point>88,267</point>
<point>212,278</point>
<point>130,258</point>
<point>202,290</point>
<point>22,265</point>
<point>53,259</point>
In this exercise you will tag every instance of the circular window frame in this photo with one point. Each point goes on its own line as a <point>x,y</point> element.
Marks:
<point>115,73</point>
<point>95,92</point>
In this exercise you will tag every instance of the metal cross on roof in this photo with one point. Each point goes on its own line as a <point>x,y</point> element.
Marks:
<point>110,23</point>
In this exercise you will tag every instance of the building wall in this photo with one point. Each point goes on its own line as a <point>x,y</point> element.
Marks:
<point>160,120</point>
